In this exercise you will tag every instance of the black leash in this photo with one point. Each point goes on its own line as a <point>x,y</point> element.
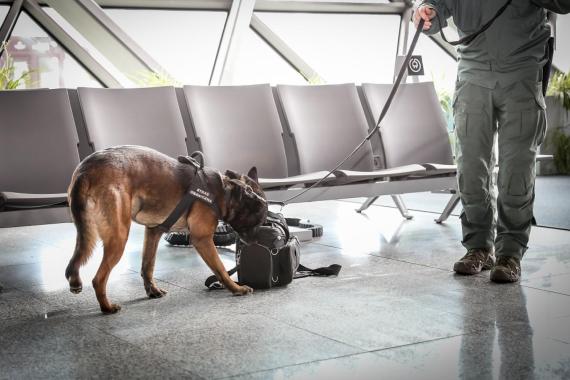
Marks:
<point>465,40</point>
<point>468,39</point>
<point>395,87</point>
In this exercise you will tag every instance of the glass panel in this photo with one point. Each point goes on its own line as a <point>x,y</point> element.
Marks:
<point>32,49</point>
<point>341,47</point>
<point>439,66</point>
<point>3,12</point>
<point>78,37</point>
<point>183,42</point>
<point>257,62</point>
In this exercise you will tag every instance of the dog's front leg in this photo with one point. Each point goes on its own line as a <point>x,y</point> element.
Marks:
<point>202,223</point>
<point>151,239</point>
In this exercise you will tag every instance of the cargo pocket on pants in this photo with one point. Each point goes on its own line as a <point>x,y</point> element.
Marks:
<point>526,120</point>
<point>518,201</point>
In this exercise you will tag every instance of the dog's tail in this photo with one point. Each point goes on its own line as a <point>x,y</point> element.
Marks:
<point>86,228</point>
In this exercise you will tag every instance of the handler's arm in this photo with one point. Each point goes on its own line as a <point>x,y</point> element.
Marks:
<point>427,10</point>
<point>556,6</point>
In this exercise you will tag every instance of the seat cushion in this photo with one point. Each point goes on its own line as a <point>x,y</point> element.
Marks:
<point>18,201</point>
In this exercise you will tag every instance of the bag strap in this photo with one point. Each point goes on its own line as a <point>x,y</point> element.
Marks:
<point>213,283</point>
<point>331,270</point>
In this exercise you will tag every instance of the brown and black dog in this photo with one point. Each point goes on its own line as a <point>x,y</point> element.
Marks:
<point>115,186</point>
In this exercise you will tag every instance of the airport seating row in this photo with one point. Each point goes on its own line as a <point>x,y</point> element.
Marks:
<point>292,134</point>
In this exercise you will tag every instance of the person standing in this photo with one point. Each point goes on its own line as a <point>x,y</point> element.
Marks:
<point>498,91</point>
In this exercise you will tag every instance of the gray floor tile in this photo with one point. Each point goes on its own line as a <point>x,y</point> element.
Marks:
<point>366,366</point>
<point>503,353</point>
<point>364,315</point>
<point>559,283</point>
<point>17,304</point>
<point>125,289</point>
<point>62,349</point>
<point>245,343</point>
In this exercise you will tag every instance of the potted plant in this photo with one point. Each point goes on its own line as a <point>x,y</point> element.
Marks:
<point>7,71</point>
<point>558,141</point>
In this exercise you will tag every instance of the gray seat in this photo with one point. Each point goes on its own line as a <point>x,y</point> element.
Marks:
<point>328,122</point>
<point>414,129</point>
<point>134,116</point>
<point>38,148</point>
<point>238,127</point>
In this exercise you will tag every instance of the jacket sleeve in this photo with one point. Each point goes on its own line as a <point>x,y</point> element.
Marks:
<point>556,6</point>
<point>442,11</point>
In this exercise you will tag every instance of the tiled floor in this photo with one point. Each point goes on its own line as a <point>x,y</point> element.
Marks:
<point>396,311</point>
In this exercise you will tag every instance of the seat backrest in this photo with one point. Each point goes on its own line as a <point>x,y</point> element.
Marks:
<point>238,127</point>
<point>414,130</point>
<point>134,116</point>
<point>327,122</point>
<point>38,141</point>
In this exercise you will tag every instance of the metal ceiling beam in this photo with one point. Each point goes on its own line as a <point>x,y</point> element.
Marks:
<point>329,7</point>
<point>263,5</point>
<point>10,21</point>
<point>285,51</point>
<point>237,24</point>
<point>168,4</point>
<point>87,17</point>
<point>76,50</point>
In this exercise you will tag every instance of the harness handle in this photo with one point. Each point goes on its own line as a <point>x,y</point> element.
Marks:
<point>200,156</point>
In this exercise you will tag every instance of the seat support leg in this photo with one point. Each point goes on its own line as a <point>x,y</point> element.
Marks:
<point>401,206</point>
<point>449,207</point>
<point>367,203</point>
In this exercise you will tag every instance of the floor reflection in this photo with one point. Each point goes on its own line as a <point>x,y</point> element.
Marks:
<point>505,350</point>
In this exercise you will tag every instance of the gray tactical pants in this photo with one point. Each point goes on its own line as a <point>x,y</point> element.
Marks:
<point>517,113</point>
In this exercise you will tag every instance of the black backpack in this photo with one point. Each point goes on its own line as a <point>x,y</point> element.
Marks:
<point>273,260</point>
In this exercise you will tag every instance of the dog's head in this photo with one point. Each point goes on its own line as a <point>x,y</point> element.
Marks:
<point>245,203</point>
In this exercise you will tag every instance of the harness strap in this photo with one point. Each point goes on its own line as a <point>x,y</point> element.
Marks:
<point>198,190</point>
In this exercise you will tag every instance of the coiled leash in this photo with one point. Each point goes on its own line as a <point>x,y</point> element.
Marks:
<point>465,41</point>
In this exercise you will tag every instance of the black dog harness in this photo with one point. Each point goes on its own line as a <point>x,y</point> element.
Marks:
<point>198,190</point>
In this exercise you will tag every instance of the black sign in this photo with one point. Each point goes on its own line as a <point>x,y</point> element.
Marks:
<point>415,66</point>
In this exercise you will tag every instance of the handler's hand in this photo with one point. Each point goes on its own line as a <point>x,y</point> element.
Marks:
<point>425,12</point>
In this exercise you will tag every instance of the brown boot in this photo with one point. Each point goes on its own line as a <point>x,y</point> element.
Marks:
<point>474,261</point>
<point>507,269</point>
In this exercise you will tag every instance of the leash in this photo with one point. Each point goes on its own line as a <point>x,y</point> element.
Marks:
<point>465,40</point>
<point>468,39</point>
<point>376,128</point>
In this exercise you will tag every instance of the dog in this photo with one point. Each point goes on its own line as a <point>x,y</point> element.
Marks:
<point>113,187</point>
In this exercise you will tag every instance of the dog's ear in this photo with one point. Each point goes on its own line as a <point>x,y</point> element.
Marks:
<point>252,173</point>
<point>232,175</point>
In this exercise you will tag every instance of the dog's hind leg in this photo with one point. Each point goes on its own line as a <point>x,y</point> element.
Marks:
<point>86,234</point>
<point>151,239</point>
<point>114,233</point>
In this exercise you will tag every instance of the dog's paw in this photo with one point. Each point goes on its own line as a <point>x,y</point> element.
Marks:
<point>76,289</point>
<point>243,290</point>
<point>112,309</point>
<point>155,292</point>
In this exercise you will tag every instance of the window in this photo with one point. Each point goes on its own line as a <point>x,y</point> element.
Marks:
<point>3,12</point>
<point>184,42</point>
<point>78,37</point>
<point>32,49</point>
<point>341,48</point>
<point>257,62</point>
